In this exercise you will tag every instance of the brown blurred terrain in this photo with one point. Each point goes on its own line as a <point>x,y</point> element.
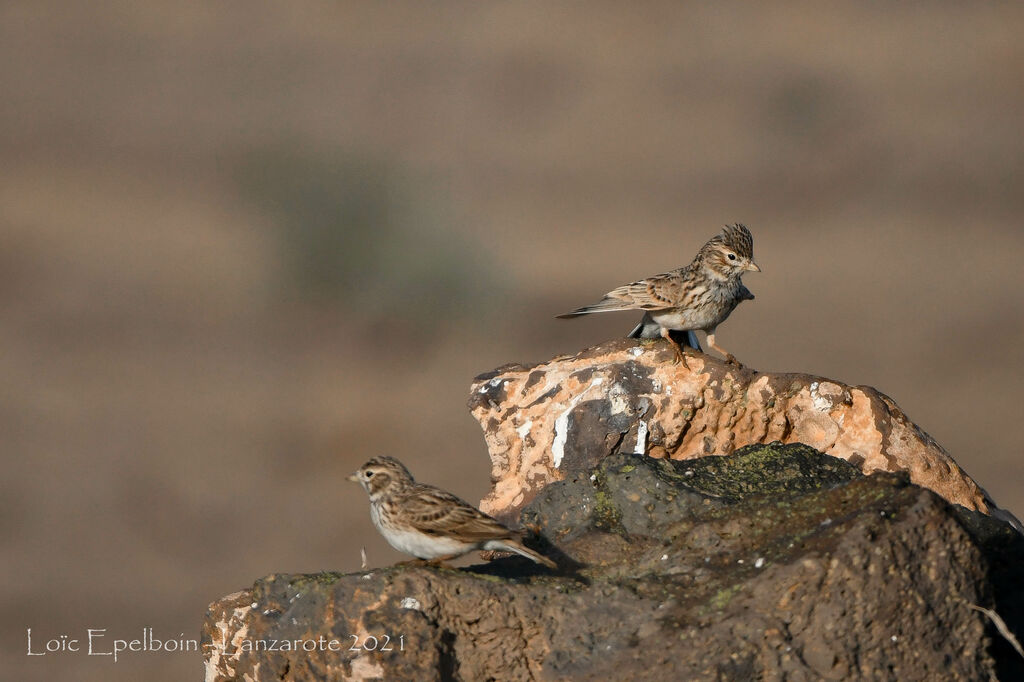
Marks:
<point>245,246</point>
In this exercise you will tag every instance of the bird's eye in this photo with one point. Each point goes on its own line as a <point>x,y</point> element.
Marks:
<point>732,256</point>
<point>369,474</point>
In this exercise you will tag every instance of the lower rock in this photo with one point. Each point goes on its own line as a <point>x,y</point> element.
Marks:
<point>669,572</point>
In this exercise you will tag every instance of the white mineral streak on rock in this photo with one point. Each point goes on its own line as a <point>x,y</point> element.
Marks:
<point>411,603</point>
<point>641,439</point>
<point>562,423</point>
<point>821,403</point>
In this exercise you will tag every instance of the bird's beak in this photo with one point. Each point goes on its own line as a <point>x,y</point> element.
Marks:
<point>753,267</point>
<point>354,477</point>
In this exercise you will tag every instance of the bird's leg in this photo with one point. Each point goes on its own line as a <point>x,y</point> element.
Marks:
<point>729,357</point>
<point>667,335</point>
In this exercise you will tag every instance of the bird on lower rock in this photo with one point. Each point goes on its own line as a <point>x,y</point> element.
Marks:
<point>699,296</point>
<point>430,524</point>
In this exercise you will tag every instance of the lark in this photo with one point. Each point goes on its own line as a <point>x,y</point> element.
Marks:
<point>429,523</point>
<point>698,296</point>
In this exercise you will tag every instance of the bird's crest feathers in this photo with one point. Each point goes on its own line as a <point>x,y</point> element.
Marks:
<point>736,237</point>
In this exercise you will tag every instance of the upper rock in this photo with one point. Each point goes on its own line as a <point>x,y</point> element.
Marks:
<point>547,421</point>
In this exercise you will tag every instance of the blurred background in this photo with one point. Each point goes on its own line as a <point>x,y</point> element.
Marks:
<point>245,246</point>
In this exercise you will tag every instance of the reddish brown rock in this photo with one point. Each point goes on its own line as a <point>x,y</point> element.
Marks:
<point>543,422</point>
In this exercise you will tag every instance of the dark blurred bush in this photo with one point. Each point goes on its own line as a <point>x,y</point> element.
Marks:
<point>359,235</point>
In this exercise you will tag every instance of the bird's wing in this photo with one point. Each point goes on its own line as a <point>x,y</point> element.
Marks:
<point>435,512</point>
<point>654,293</point>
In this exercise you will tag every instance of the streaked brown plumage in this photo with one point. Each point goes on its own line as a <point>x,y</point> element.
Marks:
<point>428,522</point>
<point>698,296</point>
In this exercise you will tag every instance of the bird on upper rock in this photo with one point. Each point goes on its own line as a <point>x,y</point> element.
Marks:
<point>699,296</point>
<point>429,523</point>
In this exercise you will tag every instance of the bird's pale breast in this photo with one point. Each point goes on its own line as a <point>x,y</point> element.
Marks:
<point>423,546</point>
<point>410,541</point>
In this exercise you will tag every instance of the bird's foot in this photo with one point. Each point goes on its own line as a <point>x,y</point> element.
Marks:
<point>532,528</point>
<point>730,359</point>
<point>680,357</point>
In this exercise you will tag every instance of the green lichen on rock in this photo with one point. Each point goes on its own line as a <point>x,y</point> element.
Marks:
<point>606,513</point>
<point>635,495</point>
<point>769,469</point>
<point>722,598</point>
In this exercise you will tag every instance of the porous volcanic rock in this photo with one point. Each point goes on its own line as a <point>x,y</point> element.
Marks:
<point>551,420</point>
<point>775,562</point>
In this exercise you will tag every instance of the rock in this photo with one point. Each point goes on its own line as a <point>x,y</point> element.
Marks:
<point>637,496</point>
<point>697,538</point>
<point>550,421</point>
<point>774,562</point>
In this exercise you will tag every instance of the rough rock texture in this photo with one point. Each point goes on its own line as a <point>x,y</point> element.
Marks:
<point>775,562</point>
<point>548,421</point>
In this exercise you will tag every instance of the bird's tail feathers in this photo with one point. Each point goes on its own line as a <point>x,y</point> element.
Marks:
<point>520,549</point>
<point>606,305</point>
